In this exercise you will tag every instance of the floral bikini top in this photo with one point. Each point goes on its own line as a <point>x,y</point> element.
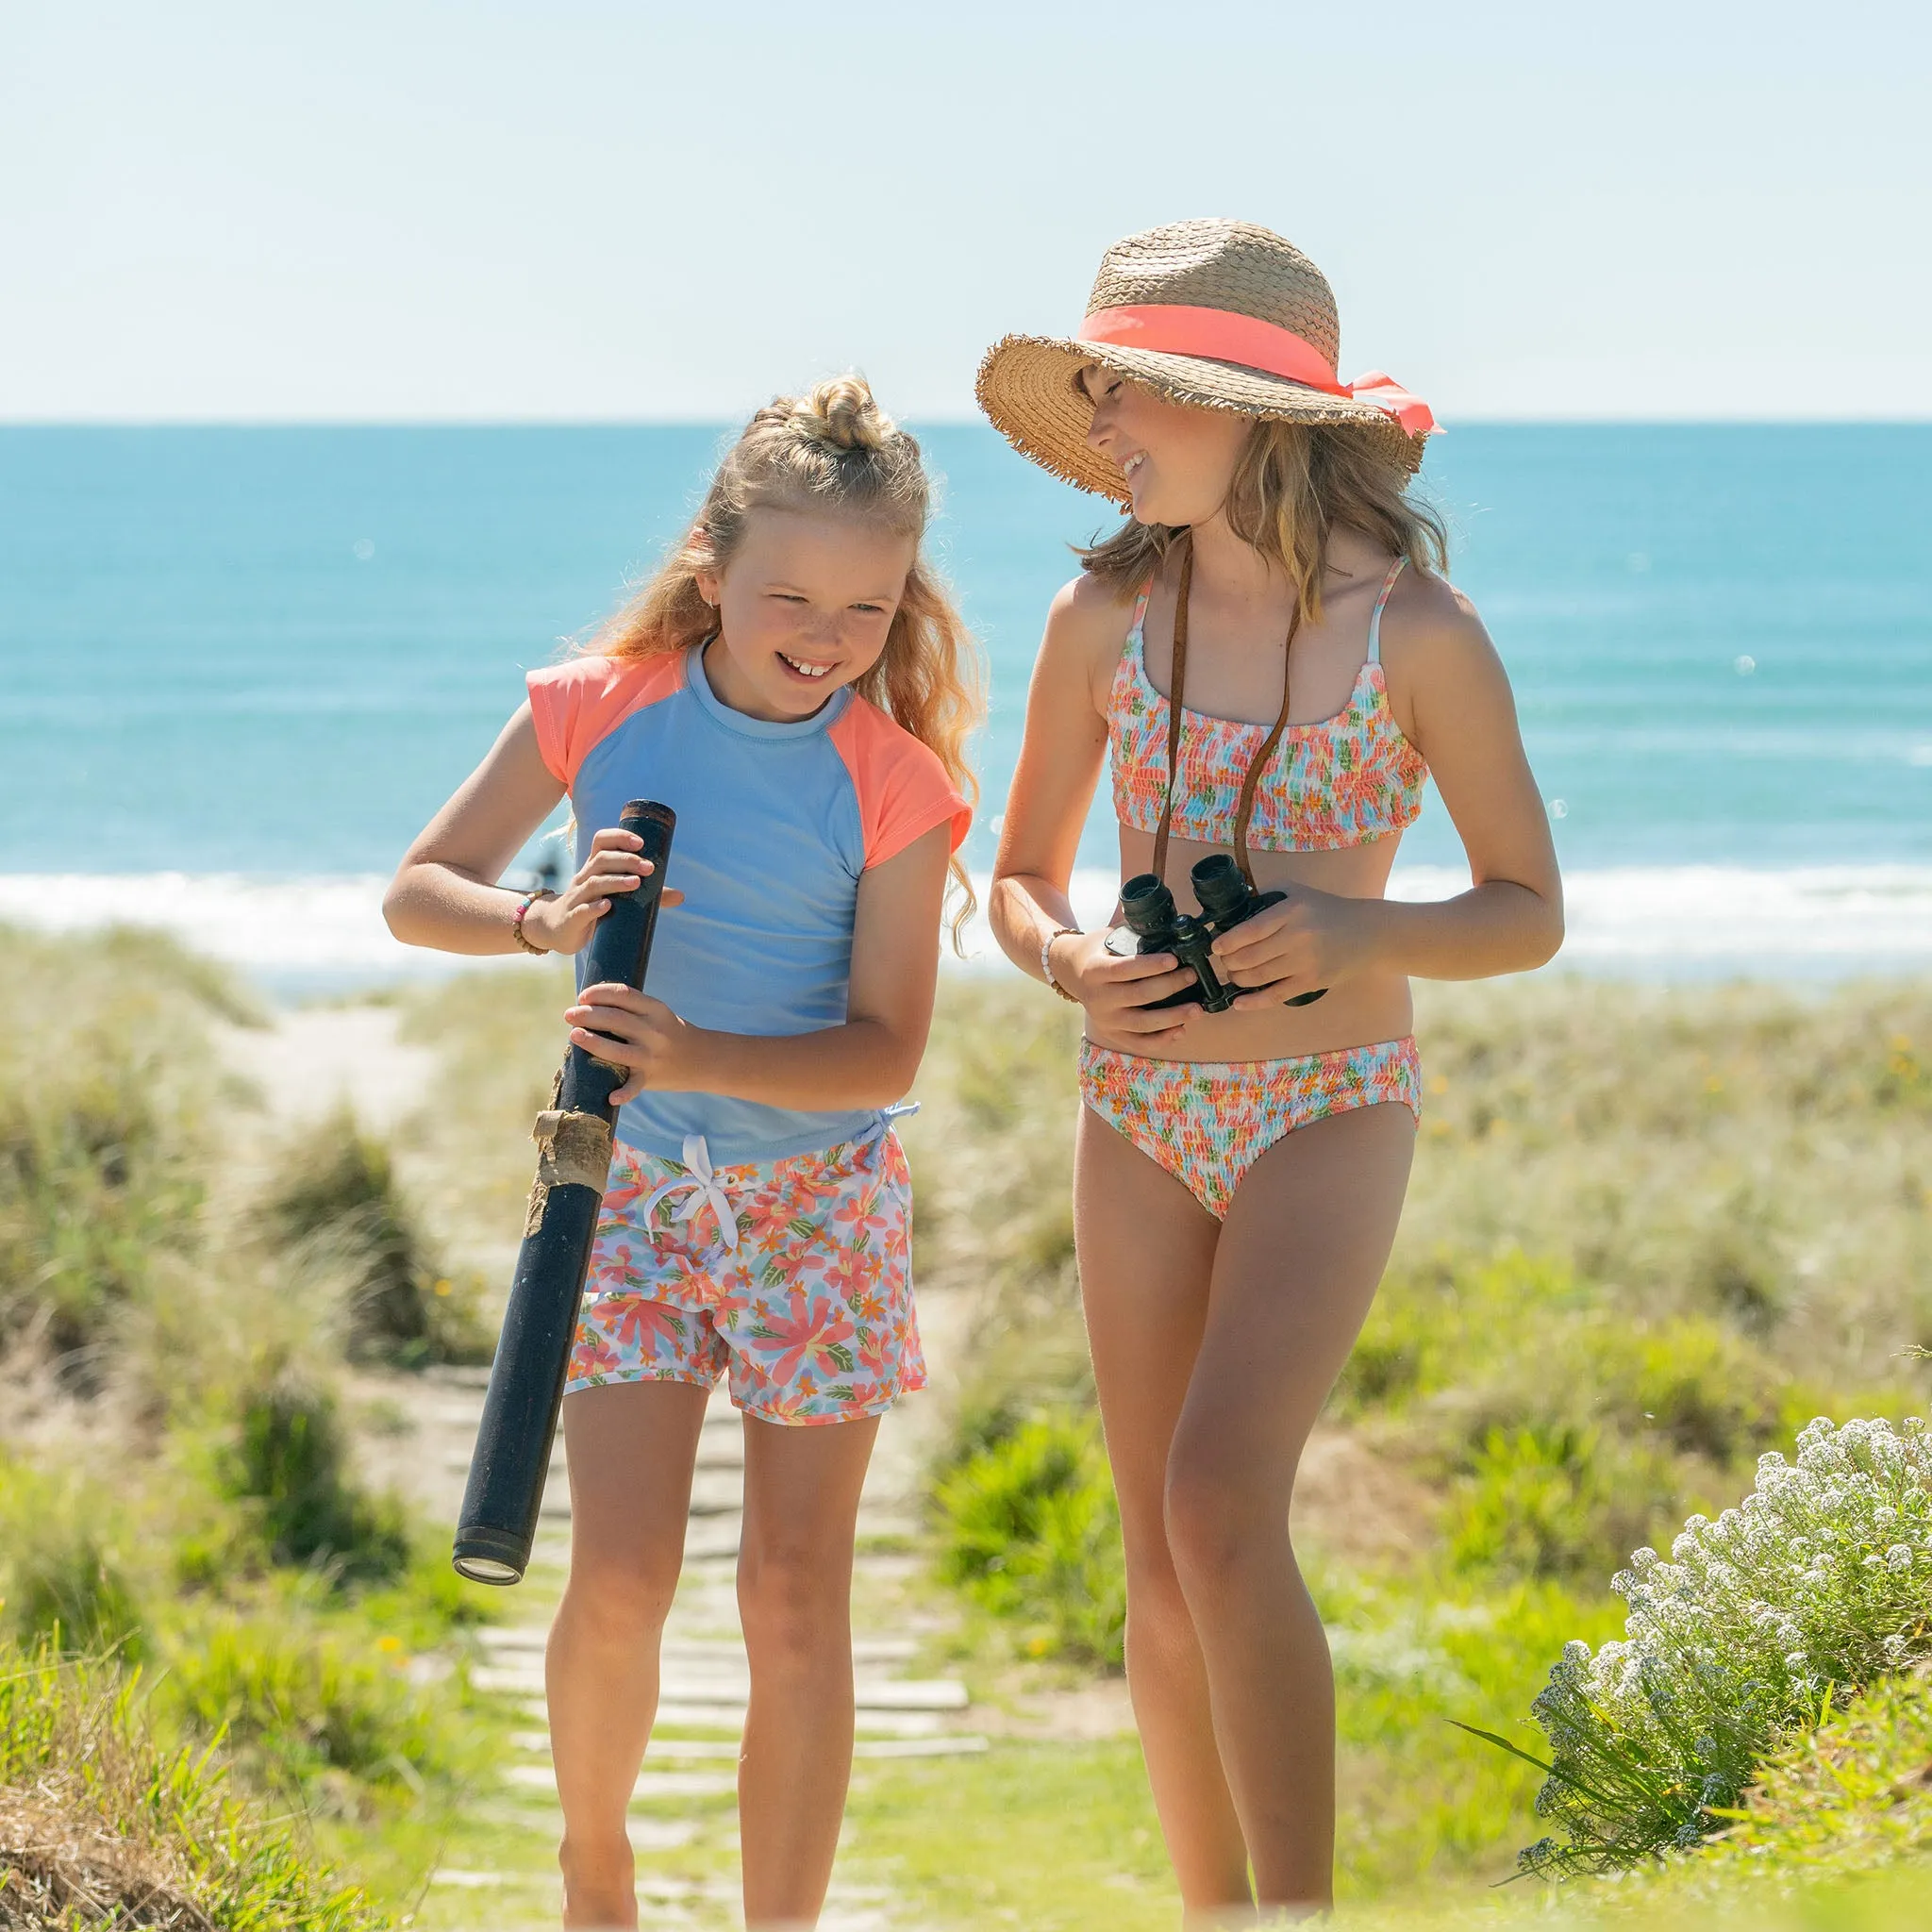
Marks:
<point>1341,781</point>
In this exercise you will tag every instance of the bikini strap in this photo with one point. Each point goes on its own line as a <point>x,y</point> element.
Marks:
<point>1134,629</point>
<point>1176,682</point>
<point>1375,620</point>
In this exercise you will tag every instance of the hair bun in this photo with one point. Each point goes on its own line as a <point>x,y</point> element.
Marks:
<point>840,411</point>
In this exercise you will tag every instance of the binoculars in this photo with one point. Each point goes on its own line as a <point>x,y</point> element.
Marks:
<point>1226,899</point>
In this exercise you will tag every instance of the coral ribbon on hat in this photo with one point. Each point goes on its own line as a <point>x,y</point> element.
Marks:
<point>1172,328</point>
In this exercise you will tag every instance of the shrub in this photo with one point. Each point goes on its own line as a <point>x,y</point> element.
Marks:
<point>98,1173</point>
<point>1818,1584</point>
<point>95,1809</point>
<point>1031,1530</point>
<point>293,1707</point>
<point>289,1459</point>
<point>1547,1501</point>
<point>64,1580</point>
<point>336,1197</point>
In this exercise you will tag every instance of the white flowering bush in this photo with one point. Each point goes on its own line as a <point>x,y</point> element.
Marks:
<point>1819,1582</point>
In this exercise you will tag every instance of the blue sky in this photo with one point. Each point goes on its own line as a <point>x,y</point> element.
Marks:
<point>426,210</point>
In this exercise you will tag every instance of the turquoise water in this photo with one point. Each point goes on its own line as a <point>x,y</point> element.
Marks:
<point>274,651</point>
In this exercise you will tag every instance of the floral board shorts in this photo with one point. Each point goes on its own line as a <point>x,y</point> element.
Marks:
<point>1207,1122</point>
<point>792,1277</point>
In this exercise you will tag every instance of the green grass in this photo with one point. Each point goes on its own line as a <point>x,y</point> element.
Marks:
<point>1030,1530</point>
<point>1044,1836</point>
<point>90,1801</point>
<point>186,1500</point>
<point>1649,1233</point>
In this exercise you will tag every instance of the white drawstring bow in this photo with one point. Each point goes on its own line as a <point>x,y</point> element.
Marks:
<point>703,1186</point>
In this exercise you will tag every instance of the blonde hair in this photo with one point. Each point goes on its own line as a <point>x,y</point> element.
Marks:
<point>832,449</point>
<point>1293,484</point>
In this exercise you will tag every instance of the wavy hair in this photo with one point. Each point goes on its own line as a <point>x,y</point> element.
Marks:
<point>1293,484</point>
<point>832,449</point>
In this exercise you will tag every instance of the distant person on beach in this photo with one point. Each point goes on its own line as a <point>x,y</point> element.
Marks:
<point>794,682</point>
<point>1270,650</point>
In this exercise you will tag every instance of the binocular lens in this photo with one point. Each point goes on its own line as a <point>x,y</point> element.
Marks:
<point>1219,886</point>
<point>1146,905</point>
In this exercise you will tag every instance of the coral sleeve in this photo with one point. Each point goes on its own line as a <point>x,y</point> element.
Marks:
<point>577,703</point>
<point>903,789</point>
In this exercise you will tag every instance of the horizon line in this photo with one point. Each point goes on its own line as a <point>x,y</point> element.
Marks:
<point>913,418</point>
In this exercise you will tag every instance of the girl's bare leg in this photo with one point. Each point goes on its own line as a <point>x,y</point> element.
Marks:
<point>1146,1252</point>
<point>631,1448</point>
<point>1297,1264</point>
<point>794,1595</point>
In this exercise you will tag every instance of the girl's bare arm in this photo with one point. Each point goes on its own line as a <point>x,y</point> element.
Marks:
<point>1464,723</point>
<point>1060,757</point>
<point>1446,674</point>
<point>444,893</point>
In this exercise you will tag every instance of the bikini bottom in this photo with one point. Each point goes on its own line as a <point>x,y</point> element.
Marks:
<point>1207,1122</point>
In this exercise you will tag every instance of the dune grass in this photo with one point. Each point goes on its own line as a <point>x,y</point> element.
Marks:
<point>1650,1234</point>
<point>102,1823</point>
<point>178,1496</point>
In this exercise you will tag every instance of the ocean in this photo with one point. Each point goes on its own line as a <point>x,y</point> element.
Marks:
<point>242,666</point>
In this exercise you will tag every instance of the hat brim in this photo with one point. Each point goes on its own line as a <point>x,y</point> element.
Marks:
<point>1029,388</point>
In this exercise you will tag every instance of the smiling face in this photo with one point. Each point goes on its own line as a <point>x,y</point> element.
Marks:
<point>1178,462</point>
<point>805,603</point>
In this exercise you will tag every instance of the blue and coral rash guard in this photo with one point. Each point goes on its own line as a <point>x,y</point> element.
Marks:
<point>775,823</point>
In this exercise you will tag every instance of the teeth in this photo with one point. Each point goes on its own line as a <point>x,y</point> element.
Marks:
<point>1132,463</point>
<point>804,669</point>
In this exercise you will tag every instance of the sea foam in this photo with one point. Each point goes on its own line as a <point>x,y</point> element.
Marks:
<point>308,935</point>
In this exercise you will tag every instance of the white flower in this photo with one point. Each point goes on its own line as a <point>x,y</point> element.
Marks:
<point>1899,1557</point>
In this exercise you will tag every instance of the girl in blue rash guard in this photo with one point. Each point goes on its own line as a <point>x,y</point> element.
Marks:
<point>794,683</point>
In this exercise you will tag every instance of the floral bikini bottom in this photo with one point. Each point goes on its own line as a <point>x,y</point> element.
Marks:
<point>1207,1122</point>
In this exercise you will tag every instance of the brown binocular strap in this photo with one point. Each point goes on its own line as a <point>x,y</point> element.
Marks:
<point>1176,686</point>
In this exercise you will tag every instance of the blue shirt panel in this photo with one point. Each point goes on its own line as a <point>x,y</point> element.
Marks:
<point>768,853</point>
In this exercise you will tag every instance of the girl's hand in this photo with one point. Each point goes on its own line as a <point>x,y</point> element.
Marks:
<point>564,924</point>
<point>1117,992</point>
<point>631,1030</point>
<point>1311,940</point>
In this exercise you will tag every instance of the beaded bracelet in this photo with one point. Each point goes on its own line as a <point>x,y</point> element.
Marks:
<point>1046,961</point>
<point>516,924</point>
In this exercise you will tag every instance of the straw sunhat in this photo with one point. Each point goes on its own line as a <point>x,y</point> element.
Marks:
<point>1213,314</point>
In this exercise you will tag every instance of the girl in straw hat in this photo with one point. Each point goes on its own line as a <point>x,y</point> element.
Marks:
<point>1272,654</point>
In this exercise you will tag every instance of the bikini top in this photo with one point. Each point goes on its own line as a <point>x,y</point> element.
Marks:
<point>1343,781</point>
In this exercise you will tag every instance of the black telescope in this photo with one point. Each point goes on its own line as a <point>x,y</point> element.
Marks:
<point>573,1140</point>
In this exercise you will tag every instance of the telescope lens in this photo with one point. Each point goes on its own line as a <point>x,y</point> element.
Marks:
<point>487,1570</point>
<point>1146,905</point>
<point>1219,886</point>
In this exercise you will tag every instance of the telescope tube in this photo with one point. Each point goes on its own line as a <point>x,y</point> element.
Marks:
<point>574,1139</point>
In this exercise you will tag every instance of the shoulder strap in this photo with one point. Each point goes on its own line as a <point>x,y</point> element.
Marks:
<point>1176,685</point>
<point>1134,629</point>
<point>1375,619</point>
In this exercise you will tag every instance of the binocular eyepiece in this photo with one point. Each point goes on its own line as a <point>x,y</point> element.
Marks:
<point>1226,899</point>
<point>1219,891</point>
